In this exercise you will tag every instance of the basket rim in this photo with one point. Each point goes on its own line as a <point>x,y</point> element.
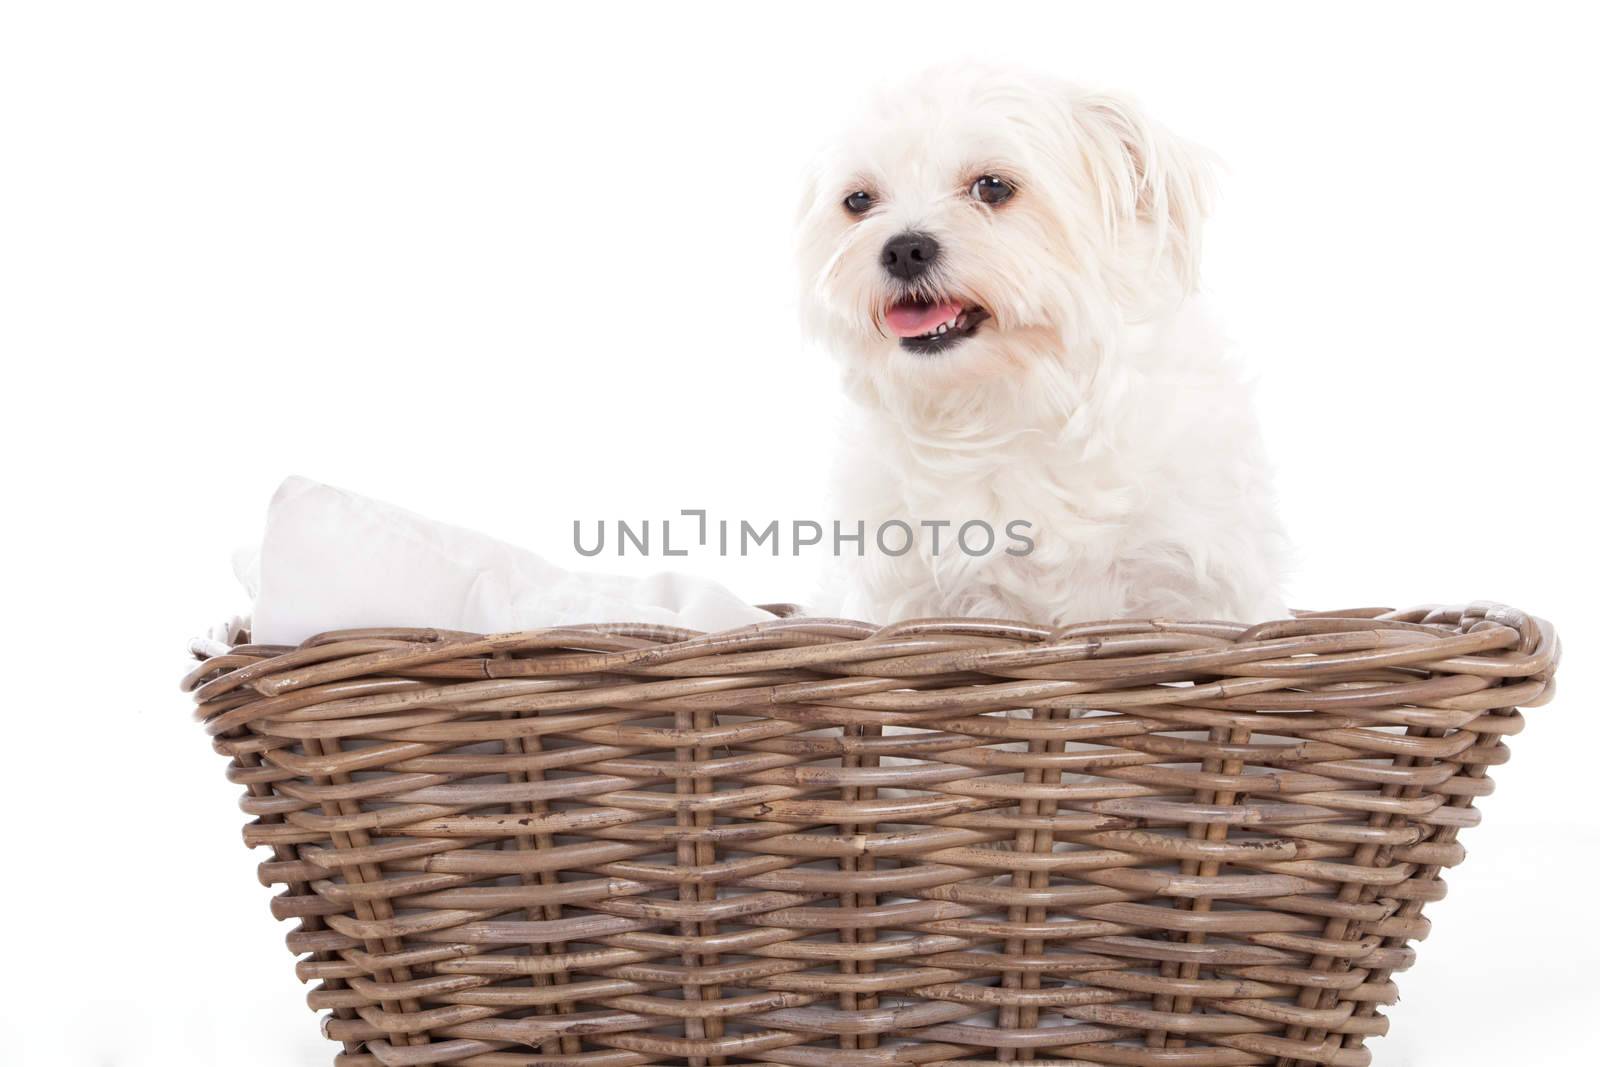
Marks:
<point>332,654</point>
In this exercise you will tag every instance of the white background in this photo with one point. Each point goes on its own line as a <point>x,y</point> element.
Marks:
<point>512,265</point>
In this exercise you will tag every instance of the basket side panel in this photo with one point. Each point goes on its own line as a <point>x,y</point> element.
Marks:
<point>1127,844</point>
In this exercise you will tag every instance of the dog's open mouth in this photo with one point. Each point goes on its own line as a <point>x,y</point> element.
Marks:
<point>929,326</point>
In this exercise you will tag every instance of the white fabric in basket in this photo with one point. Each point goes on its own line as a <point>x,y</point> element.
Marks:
<point>332,560</point>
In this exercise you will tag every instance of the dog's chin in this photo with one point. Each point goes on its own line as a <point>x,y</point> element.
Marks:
<point>955,370</point>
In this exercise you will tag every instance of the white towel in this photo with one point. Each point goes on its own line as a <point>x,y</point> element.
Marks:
<point>332,560</point>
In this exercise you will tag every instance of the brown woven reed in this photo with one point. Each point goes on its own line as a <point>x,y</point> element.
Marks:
<point>815,842</point>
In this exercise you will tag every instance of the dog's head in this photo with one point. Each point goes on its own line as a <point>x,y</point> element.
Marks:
<point>977,221</point>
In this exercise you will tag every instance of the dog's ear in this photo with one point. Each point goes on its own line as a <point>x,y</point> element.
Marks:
<point>1143,173</point>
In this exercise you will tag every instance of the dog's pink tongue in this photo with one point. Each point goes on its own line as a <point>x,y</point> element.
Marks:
<point>913,320</point>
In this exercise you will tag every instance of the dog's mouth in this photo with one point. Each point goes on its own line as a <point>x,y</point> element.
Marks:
<point>930,326</point>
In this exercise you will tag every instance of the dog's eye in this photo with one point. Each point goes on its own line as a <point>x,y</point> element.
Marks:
<point>991,190</point>
<point>858,202</point>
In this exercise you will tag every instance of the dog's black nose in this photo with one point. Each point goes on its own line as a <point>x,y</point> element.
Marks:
<point>908,255</point>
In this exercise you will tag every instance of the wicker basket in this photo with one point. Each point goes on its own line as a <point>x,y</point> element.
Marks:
<point>816,842</point>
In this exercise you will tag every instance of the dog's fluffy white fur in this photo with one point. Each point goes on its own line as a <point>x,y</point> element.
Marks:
<point>1095,402</point>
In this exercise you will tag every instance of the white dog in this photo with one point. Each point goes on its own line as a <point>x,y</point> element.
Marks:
<point>1006,266</point>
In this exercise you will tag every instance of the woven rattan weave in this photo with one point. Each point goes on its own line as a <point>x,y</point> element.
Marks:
<point>819,842</point>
